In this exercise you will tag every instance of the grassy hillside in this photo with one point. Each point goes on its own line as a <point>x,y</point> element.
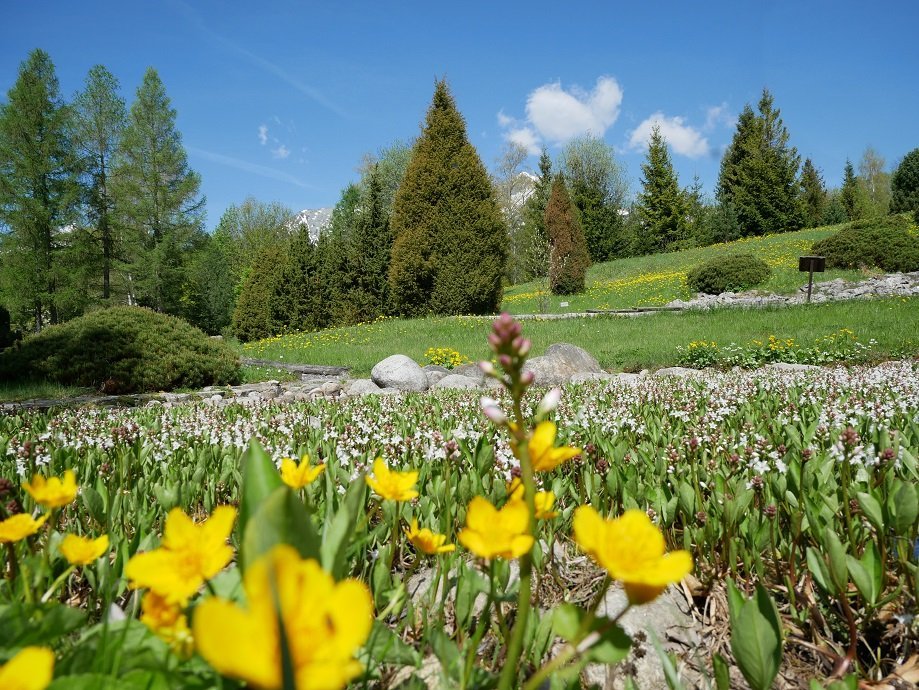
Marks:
<point>618,342</point>
<point>657,279</point>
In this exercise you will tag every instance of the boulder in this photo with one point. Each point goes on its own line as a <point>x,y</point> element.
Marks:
<point>401,372</point>
<point>676,371</point>
<point>471,371</point>
<point>435,373</point>
<point>560,363</point>
<point>457,381</point>
<point>791,366</point>
<point>363,387</point>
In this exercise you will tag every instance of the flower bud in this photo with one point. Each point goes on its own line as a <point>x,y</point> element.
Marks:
<point>525,347</point>
<point>527,377</point>
<point>492,411</point>
<point>505,361</point>
<point>549,402</point>
<point>487,368</point>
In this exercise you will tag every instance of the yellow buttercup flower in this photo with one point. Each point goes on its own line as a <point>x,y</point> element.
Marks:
<point>392,485</point>
<point>631,549</point>
<point>297,476</point>
<point>325,623</point>
<point>31,669</point>
<point>189,555</point>
<point>544,456</point>
<point>543,500</point>
<point>82,550</point>
<point>169,623</point>
<point>492,533</point>
<point>427,541</point>
<point>19,527</point>
<point>54,492</point>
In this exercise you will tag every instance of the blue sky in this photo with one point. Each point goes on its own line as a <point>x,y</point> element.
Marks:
<point>280,100</point>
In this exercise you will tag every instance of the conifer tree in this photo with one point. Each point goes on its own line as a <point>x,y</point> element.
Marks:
<point>99,122</point>
<point>850,193</point>
<point>661,203</point>
<point>536,253</point>
<point>904,185</point>
<point>568,257</point>
<point>450,238</point>
<point>157,199</point>
<point>261,298</point>
<point>39,194</point>
<point>813,195</point>
<point>371,250</point>
<point>759,172</point>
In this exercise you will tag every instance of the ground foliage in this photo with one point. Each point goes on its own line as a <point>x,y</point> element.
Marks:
<point>889,243</point>
<point>731,273</point>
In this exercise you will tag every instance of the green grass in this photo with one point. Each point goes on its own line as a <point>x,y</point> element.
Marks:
<point>657,279</point>
<point>618,342</point>
<point>14,391</point>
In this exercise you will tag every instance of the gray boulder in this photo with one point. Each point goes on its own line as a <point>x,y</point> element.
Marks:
<point>401,372</point>
<point>471,371</point>
<point>560,363</point>
<point>363,387</point>
<point>457,381</point>
<point>791,366</point>
<point>435,373</point>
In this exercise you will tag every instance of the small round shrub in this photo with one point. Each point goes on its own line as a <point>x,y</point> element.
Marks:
<point>886,243</point>
<point>123,350</point>
<point>728,274</point>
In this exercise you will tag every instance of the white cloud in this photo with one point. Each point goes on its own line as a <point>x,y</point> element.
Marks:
<point>280,152</point>
<point>719,115</point>
<point>559,115</point>
<point>263,134</point>
<point>525,137</point>
<point>683,139</point>
<point>505,120</point>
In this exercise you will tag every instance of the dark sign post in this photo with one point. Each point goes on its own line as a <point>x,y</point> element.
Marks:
<point>811,264</point>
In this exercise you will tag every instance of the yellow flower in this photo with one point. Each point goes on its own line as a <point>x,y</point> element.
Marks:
<point>631,549</point>
<point>492,533</point>
<point>19,527</point>
<point>544,456</point>
<point>392,485</point>
<point>297,476</point>
<point>324,623</point>
<point>169,623</point>
<point>427,541</point>
<point>31,669</point>
<point>543,500</point>
<point>82,550</point>
<point>189,555</point>
<point>53,492</point>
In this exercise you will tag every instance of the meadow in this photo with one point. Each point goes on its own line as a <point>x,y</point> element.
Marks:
<point>792,498</point>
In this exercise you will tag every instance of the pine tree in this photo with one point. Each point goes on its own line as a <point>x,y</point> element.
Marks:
<point>450,238</point>
<point>304,285</point>
<point>371,250</point>
<point>100,121</point>
<point>661,203</point>
<point>850,194</point>
<point>536,252</point>
<point>904,185</point>
<point>39,194</point>
<point>256,315</point>
<point>759,173</point>
<point>813,195</point>
<point>568,258</point>
<point>157,199</point>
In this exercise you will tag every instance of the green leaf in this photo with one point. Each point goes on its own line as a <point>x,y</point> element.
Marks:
<point>280,519</point>
<point>22,625</point>
<point>566,621</point>
<point>669,667</point>
<point>863,581</point>
<point>135,680</point>
<point>756,636</point>
<point>95,506</point>
<point>260,478</point>
<point>872,510</point>
<point>722,672</point>
<point>817,567</point>
<point>613,645</point>
<point>836,557</point>
<point>340,529</point>
<point>905,509</point>
<point>385,647</point>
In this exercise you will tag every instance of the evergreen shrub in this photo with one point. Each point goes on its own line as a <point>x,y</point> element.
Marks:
<point>123,350</point>
<point>887,243</point>
<point>728,274</point>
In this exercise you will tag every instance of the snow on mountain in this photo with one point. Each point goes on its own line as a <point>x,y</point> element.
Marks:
<point>316,219</point>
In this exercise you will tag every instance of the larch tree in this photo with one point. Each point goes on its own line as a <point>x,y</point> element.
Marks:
<point>662,206</point>
<point>157,197</point>
<point>568,255</point>
<point>39,195</point>
<point>450,244</point>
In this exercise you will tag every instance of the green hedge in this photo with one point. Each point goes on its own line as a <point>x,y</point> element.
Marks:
<point>123,350</point>
<point>886,243</point>
<point>728,274</point>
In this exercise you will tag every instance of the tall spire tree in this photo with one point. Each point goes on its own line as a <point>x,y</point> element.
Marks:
<point>813,195</point>
<point>662,204</point>
<point>450,238</point>
<point>157,198</point>
<point>536,253</point>
<point>39,193</point>
<point>371,250</point>
<point>99,123</point>
<point>568,257</point>
<point>850,193</point>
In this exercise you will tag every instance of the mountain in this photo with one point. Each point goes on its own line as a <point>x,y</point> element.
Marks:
<point>316,219</point>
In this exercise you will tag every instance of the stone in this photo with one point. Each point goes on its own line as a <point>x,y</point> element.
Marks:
<point>400,372</point>
<point>586,376</point>
<point>676,371</point>
<point>363,387</point>
<point>471,371</point>
<point>330,388</point>
<point>456,381</point>
<point>791,366</point>
<point>435,376</point>
<point>560,363</point>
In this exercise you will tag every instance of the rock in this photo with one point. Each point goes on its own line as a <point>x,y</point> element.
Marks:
<point>560,363</point>
<point>791,366</point>
<point>436,368</point>
<point>401,372</point>
<point>330,388</point>
<point>471,371</point>
<point>586,376</point>
<point>457,381</point>
<point>363,387</point>
<point>676,371</point>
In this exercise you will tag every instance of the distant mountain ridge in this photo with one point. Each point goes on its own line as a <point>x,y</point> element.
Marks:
<point>316,220</point>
